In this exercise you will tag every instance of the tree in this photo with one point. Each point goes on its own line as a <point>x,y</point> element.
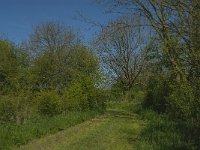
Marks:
<point>84,63</point>
<point>8,65</point>
<point>176,24</point>
<point>52,37</point>
<point>51,44</point>
<point>123,49</point>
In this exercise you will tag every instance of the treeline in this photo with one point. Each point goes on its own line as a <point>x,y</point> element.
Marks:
<point>154,47</point>
<point>49,74</point>
<point>151,54</point>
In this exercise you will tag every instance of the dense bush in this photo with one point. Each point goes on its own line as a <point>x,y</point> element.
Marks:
<point>135,95</point>
<point>49,103</point>
<point>101,98</point>
<point>116,93</point>
<point>184,105</point>
<point>177,98</point>
<point>83,95</point>
<point>180,103</point>
<point>16,108</point>
<point>8,66</point>
<point>75,98</point>
<point>182,100</point>
<point>157,91</point>
<point>7,108</point>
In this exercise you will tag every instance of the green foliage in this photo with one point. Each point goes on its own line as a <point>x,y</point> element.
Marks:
<point>84,62</point>
<point>49,103</point>
<point>44,71</point>
<point>180,103</point>
<point>135,95</point>
<point>83,95</point>
<point>34,90</point>
<point>157,91</point>
<point>123,105</point>
<point>16,108</point>
<point>57,70</point>
<point>182,100</point>
<point>184,104</point>
<point>116,92</point>
<point>162,132</point>
<point>75,98</point>
<point>8,61</point>
<point>100,99</point>
<point>15,135</point>
<point>8,66</point>
<point>7,108</point>
<point>14,68</point>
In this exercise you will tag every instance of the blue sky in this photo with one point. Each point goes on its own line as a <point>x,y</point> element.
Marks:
<point>19,16</point>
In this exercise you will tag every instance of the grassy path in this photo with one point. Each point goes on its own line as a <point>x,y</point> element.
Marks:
<point>117,129</point>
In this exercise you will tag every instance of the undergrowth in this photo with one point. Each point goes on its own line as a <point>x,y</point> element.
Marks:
<point>15,135</point>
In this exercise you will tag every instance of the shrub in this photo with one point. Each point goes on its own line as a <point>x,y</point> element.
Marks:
<point>184,105</point>
<point>15,108</point>
<point>100,98</point>
<point>117,92</point>
<point>49,103</point>
<point>134,95</point>
<point>182,100</point>
<point>7,109</point>
<point>157,91</point>
<point>83,95</point>
<point>75,98</point>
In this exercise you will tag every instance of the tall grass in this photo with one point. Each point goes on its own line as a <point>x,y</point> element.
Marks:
<point>162,133</point>
<point>15,135</point>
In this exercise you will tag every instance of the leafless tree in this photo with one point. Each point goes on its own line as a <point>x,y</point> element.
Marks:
<point>123,48</point>
<point>52,36</point>
<point>175,21</point>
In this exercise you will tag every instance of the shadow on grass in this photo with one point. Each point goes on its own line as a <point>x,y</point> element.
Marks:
<point>155,131</point>
<point>162,133</point>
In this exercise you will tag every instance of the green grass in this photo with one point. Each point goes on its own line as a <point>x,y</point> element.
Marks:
<point>156,131</point>
<point>124,126</point>
<point>16,135</point>
<point>117,129</point>
<point>162,133</point>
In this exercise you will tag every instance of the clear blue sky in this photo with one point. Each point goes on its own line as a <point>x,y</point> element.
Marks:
<point>18,16</point>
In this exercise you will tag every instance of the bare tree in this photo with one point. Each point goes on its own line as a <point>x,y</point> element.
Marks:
<point>175,21</point>
<point>51,45</point>
<point>123,48</point>
<point>52,36</point>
